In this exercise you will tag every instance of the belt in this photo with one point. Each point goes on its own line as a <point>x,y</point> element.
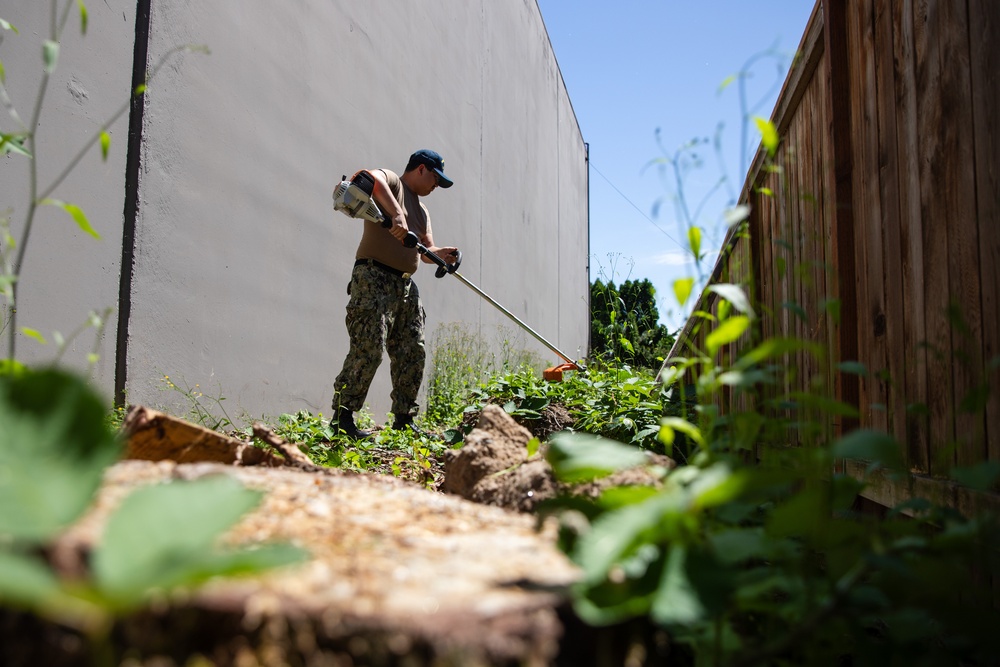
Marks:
<point>384,267</point>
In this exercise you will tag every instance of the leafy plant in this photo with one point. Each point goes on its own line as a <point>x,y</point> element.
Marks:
<point>54,448</point>
<point>402,453</point>
<point>461,360</point>
<point>771,565</point>
<point>619,403</point>
<point>753,553</point>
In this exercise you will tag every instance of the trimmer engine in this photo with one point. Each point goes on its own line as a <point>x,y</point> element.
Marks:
<point>354,198</point>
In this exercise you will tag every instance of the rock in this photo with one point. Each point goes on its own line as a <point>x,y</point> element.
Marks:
<point>496,444</point>
<point>493,468</point>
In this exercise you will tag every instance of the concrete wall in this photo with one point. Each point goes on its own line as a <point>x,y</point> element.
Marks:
<point>239,268</point>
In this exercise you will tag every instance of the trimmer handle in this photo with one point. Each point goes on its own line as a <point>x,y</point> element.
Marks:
<point>411,241</point>
<point>444,267</point>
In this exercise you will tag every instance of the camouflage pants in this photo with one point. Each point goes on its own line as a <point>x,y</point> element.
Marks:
<point>384,313</point>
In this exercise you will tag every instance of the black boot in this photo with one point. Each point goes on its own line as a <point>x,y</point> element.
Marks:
<point>405,422</point>
<point>345,426</point>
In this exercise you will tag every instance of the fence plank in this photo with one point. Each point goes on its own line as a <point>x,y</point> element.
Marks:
<point>843,233</point>
<point>984,21</point>
<point>888,153</point>
<point>934,217</point>
<point>826,185</point>
<point>871,312</point>
<point>958,192</point>
<point>911,238</point>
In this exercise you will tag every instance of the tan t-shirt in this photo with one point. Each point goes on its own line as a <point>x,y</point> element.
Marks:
<point>378,244</point>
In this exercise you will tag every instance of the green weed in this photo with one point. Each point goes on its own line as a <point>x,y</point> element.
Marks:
<point>202,409</point>
<point>461,360</point>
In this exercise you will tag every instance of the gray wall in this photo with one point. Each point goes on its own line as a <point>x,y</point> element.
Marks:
<point>240,264</point>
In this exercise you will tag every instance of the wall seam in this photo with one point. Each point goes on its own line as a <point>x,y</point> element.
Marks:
<point>133,167</point>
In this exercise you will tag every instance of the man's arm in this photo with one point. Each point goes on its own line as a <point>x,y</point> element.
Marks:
<point>390,207</point>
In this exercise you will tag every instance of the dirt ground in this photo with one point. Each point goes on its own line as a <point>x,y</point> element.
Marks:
<point>399,574</point>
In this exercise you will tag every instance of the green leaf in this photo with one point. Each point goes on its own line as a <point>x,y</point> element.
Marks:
<point>668,425</point>
<point>798,310</point>
<point>682,289</point>
<point>11,368</point>
<point>768,135</point>
<point>7,26</point>
<point>803,515</point>
<point>669,376</point>
<point>32,333</point>
<point>14,143</point>
<point>577,457</point>
<point>105,145</point>
<point>694,241</point>
<point>739,378</point>
<point>868,445</point>
<point>83,17</point>
<point>746,428</point>
<point>3,74</point>
<point>50,55</point>
<point>533,446</point>
<point>736,545</point>
<point>676,601</point>
<point>54,447</point>
<point>76,213</point>
<point>853,368</point>
<point>701,314</point>
<point>727,332</point>
<point>774,347</point>
<point>735,295</point>
<point>767,192</point>
<point>715,486</point>
<point>724,309</point>
<point>728,81</point>
<point>164,535</point>
<point>617,533</point>
<point>140,89</point>
<point>26,581</point>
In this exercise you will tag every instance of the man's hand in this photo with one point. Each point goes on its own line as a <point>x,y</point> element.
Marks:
<point>399,228</point>
<point>448,254</point>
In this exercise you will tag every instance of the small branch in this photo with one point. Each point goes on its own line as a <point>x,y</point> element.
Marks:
<point>293,455</point>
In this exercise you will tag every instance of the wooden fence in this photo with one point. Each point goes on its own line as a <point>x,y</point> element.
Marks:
<point>878,235</point>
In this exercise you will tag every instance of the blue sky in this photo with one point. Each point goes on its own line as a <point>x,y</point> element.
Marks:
<point>643,74</point>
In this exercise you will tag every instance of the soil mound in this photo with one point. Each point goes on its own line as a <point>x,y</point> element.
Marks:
<point>494,468</point>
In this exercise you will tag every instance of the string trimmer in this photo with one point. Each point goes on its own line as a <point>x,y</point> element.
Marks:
<point>354,198</point>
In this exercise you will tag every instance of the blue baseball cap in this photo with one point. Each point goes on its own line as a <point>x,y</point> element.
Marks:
<point>433,160</point>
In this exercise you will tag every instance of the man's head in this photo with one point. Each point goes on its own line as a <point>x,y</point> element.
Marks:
<point>430,164</point>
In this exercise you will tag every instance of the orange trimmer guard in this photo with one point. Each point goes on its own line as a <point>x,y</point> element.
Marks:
<point>555,374</point>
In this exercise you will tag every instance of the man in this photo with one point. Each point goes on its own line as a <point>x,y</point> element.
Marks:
<point>384,312</point>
